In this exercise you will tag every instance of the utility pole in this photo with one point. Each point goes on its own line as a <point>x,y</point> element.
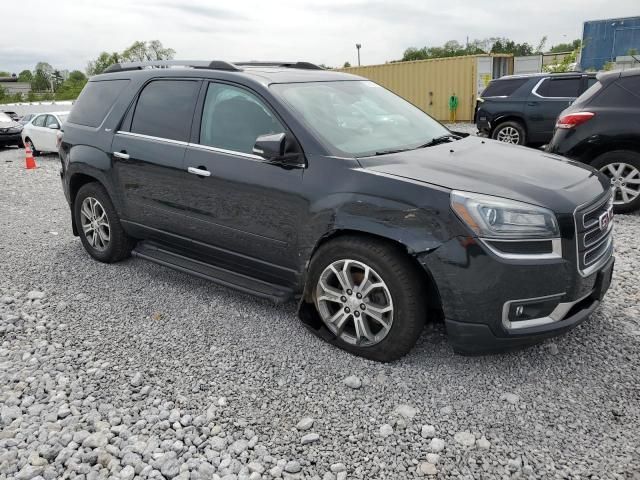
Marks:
<point>358,47</point>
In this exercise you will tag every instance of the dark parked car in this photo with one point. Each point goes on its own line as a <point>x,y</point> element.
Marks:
<point>292,182</point>
<point>523,109</point>
<point>13,115</point>
<point>10,131</point>
<point>602,128</point>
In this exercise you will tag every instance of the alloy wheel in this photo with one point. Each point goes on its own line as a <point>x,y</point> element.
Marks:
<point>508,135</point>
<point>354,303</point>
<point>95,224</point>
<point>625,181</point>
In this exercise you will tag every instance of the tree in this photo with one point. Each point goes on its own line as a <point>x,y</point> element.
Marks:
<point>346,65</point>
<point>25,76</point>
<point>140,51</point>
<point>43,78</point>
<point>4,74</point>
<point>72,86</point>
<point>504,45</point>
<point>566,47</point>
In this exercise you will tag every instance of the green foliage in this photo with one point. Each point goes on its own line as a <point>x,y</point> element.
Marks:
<point>607,67</point>
<point>4,74</point>
<point>453,48</point>
<point>139,51</point>
<point>25,76</point>
<point>6,97</point>
<point>346,65</point>
<point>566,47</point>
<point>566,65</point>
<point>72,86</point>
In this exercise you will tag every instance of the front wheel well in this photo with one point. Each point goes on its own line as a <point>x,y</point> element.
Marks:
<point>509,118</point>
<point>434,303</point>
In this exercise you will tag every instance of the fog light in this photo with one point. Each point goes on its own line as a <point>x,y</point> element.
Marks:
<point>532,309</point>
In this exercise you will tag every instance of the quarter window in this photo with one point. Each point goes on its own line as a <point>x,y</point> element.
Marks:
<point>165,109</point>
<point>233,118</point>
<point>560,87</point>
<point>39,121</point>
<point>95,100</point>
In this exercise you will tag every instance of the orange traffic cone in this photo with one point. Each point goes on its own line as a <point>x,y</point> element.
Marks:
<point>29,160</point>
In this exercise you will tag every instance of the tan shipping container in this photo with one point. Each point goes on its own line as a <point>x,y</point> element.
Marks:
<point>429,84</point>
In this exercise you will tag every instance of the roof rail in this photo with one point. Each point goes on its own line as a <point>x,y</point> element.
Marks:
<point>301,65</point>
<point>213,65</point>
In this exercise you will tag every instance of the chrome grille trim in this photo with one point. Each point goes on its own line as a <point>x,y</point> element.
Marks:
<point>593,249</point>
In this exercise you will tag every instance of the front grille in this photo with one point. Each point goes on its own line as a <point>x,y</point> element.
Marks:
<point>594,224</point>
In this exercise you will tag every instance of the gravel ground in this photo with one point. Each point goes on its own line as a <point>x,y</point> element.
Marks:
<point>133,370</point>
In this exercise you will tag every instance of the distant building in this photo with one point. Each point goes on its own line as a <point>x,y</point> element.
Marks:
<point>604,41</point>
<point>11,86</point>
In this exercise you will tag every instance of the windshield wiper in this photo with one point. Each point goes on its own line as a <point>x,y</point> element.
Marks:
<point>449,137</point>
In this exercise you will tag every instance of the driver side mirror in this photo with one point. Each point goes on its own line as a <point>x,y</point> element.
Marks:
<point>54,126</point>
<point>271,146</point>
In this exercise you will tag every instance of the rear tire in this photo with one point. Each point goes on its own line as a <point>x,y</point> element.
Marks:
<point>623,169</point>
<point>98,225</point>
<point>401,295</point>
<point>510,132</point>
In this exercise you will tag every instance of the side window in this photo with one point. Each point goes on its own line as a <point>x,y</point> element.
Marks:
<point>591,81</point>
<point>50,121</point>
<point>39,121</point>
<point>559,87</point>
<point>232,119</point>
<point>503,88</point>
<point>165,109</point>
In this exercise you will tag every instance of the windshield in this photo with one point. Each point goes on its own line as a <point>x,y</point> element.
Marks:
<point>5,118</point>
<point>360,118</point>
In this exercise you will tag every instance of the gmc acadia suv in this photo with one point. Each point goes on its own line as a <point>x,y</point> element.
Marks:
<point>292,182</point>
<point>522,109</point>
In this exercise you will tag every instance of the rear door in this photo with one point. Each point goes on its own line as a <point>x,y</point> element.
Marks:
<point>48,134</point>
<point>148,153</point>
<point>35,131</point>
<point>549,97</point>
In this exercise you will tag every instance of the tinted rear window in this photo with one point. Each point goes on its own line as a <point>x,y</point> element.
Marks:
<point>560,87</point>
<point>503,88</point>
<point>618,94</point>
<point>95,101</point>
<point>165,109</point>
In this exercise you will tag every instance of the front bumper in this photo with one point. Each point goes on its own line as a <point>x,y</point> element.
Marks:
<point>479,292</point>
<point>10,139</point>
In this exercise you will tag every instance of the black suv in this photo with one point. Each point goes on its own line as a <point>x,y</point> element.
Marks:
<point>292,182</point>
<point>602,128</point>
<point>522,109</point>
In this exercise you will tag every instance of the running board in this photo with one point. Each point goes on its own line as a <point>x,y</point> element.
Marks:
<point>221,276</point>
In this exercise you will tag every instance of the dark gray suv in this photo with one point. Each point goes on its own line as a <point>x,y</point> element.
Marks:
<point>522,109</point>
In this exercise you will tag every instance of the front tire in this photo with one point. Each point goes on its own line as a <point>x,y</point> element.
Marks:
<point>510,132</point>
<point>98,225</point>
<point>369,295</point>
<point>623,169</point>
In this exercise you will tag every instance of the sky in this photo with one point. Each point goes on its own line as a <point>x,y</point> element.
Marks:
<point>69,33</point>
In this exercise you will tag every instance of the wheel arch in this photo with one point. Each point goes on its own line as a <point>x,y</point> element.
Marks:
<point>76,181</point>
<point>306,310</point>
<point>509,117</point>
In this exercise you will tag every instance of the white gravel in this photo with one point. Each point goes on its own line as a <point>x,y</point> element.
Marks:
<point>136,371</point>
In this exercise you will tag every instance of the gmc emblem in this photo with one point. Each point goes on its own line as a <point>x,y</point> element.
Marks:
<point>605,219</point>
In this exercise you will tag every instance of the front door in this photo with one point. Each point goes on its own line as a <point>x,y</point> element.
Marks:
<point>148,154</point>
<point>246,207</point>
<point>548,98</point>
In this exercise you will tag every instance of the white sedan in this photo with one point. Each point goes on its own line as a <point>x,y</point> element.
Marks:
<point>41,133</point>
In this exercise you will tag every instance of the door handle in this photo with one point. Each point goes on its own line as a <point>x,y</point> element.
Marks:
<point>201,172</point>
<point>532,104</point>
<point>122,155</point>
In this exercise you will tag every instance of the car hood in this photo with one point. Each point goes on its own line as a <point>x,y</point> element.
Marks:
<point>495,168</point>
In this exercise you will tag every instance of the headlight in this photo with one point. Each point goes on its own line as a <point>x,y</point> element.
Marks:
<point>14,130</point>
<point>495,217</point>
